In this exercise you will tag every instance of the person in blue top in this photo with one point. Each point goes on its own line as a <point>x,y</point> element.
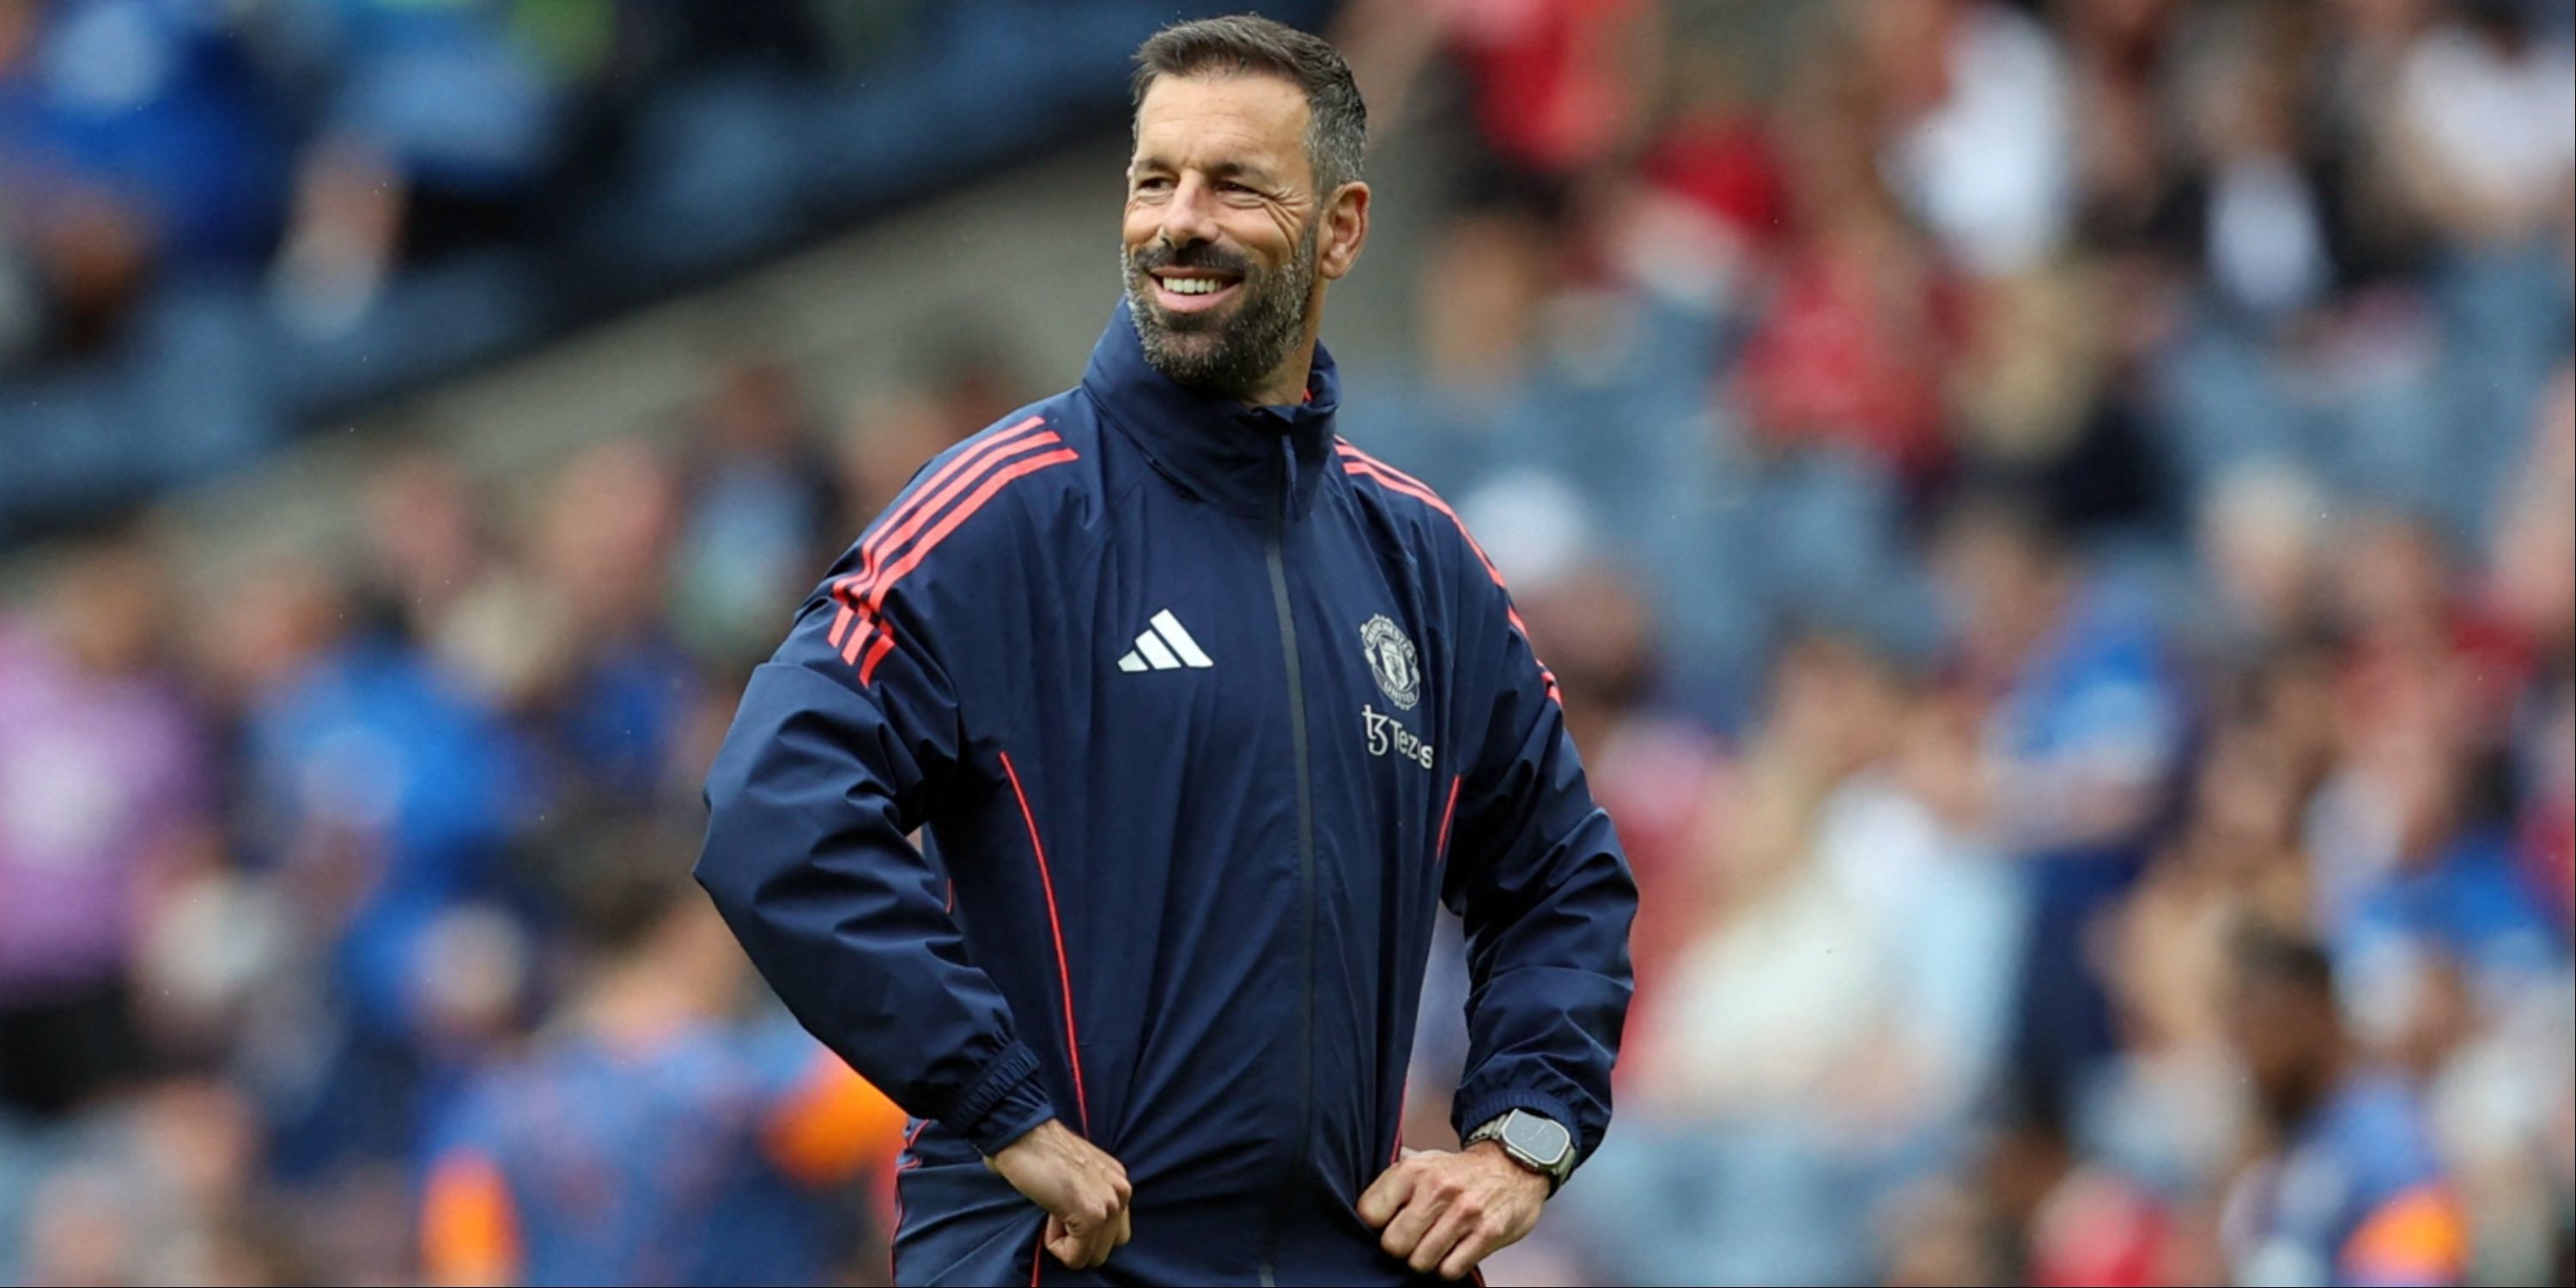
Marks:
<point>1205,713</point>
<point>2351,1190</point>
<point>652,1132</point>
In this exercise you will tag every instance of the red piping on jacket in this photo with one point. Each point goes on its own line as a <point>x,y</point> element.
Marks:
<point>1064,972</point>
<point>1394,480</point>
<point>1441,847</point>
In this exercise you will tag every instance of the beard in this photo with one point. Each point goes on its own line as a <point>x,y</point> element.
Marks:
<point>1227,350</point>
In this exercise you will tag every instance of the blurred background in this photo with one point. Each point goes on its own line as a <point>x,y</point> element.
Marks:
<point>2056,523</point>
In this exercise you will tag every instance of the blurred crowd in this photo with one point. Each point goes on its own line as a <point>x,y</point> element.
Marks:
<point>226,221</point>
<point>2055,523</point>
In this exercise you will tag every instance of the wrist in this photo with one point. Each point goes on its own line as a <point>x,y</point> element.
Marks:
<point>1001,1140</point>
<point>1534,1143</point>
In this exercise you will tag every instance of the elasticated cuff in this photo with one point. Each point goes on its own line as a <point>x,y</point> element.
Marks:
<point>1002,1103</point>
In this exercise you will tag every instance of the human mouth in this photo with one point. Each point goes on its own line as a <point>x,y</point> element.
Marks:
<point>1192,290</point>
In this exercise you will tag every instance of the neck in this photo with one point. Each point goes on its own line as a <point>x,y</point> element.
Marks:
<point>1286,384</point>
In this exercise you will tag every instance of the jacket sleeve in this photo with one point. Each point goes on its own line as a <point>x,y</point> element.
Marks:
<point>1537,874</point>
<point>843,746</point>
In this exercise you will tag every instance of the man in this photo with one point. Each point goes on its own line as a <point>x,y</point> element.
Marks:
<point>2352,1191</point>
<point>1204,711</point>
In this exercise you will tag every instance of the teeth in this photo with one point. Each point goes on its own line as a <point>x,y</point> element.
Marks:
<point>1192,285</point>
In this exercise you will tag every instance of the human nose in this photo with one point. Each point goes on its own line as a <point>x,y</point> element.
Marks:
<point>1190,216</point>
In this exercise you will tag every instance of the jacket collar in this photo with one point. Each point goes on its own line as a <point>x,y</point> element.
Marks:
<point>1211,446</point>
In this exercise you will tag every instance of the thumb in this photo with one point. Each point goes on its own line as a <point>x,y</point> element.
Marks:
<point>1061,1242</point>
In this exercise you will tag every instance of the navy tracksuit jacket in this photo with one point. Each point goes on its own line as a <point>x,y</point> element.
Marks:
<point>1203,709</point>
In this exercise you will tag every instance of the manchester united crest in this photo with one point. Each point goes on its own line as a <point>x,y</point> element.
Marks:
<point>1392,660</point>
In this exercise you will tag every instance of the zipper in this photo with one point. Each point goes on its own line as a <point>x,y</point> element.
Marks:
<point>1283,502</point>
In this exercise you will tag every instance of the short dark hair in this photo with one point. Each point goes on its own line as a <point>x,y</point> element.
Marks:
<point>2268,954</point>
<point>1243,43</point>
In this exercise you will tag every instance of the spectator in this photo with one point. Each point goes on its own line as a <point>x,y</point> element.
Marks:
<point>763,506</point>
<point>132,143</point>
<point>2349,1190</point>
<point>105,787</point>
<point>2084,725</point>
<point>438,128</point>
<point>1974,103</point>
<point>652,1137</point>
<point>1557,84</point>
<point>1823,1033</point>
<point>2485,124</point>
<point>614,711</point>
<point>383,794</point>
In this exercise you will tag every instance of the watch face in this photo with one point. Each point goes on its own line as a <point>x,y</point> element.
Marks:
<point>1542,1140</point>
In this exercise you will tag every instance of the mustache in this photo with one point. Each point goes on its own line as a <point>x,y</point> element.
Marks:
<point>1194,255</point>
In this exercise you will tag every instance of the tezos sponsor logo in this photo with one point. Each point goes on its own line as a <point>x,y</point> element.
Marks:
<point>1387,736</point>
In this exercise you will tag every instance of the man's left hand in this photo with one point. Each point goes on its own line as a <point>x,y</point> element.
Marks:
<point>1449,1211</point>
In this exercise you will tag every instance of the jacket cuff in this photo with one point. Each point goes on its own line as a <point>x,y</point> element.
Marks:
<point>1002,1103</point>
<point>1494,1105</point>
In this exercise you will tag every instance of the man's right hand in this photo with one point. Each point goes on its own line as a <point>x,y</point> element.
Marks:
<point>1083,1190</point>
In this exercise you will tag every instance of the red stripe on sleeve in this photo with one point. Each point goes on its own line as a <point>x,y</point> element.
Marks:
<point>858,639</point>
<point>930,495</point>
<point>884,645</point>
<point>869,609</point>
<point>874,599</point>
<point>910,513</point>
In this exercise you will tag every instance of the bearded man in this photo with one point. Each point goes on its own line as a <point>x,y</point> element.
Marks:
<point>1205,712</point>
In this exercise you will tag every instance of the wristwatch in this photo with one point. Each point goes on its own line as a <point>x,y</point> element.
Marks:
<point>1536,1142</point>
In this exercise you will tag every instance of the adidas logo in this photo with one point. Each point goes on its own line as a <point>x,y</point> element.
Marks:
<point>1165,646</point>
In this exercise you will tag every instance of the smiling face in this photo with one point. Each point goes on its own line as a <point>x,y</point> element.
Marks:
<point>1227,243</point>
